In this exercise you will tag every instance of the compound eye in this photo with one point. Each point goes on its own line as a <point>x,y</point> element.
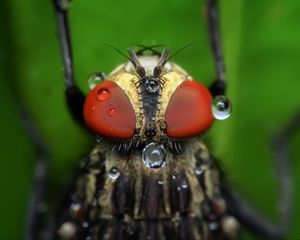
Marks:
<point>108,111</point>
<point>189,111</point>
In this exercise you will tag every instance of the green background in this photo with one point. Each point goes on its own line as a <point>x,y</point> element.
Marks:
<point>261,41</point>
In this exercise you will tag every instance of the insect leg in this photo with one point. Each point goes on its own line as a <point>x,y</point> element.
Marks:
<point>75,98</point>
<point>218,87</point>
<point>249,217</point>
<point>36,208</point>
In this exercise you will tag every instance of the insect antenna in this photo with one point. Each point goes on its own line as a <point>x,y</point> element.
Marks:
<point>118,51</point>
<point>150,48</point>
<point>136,63</point>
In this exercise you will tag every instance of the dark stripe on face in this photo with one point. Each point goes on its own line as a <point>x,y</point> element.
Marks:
<point>150,102</point>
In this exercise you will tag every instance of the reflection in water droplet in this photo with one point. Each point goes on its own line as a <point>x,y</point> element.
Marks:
<point>94,79</point>
<point>111,112</point>
<point>103,94</point>
<point>114,173</point>
<point>221,107</point>
<point>154,155</point>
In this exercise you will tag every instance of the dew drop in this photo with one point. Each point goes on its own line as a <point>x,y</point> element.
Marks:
<point>175,175</point>
<point>160,182</point>
<point>111,112</point>
<point>213,226</point>
<point>85,225</point>
<point>93,108</point>
<point>103,94</point>
<point>198,171</point>
<point>221,107</point>
<point>154,155</point>
<point>94,79</point>
<point>114,173</point>
<point>184,184</point>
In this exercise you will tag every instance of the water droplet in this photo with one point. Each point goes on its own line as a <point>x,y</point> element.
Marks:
<point>152,85</point>
<point>85,225</point>
<point>154,155</point>
<point>67,230</point>
<point>175,175</point>
<point>184,184</point>
<point>111,112</point>
<point>94,79</point>
<point>198,171</point>
<point>213,226</point>
<point>114,173</point>
<point>103,94</point>
<point>160,182</point>
<point>93,108</point>
<point>221,107</point>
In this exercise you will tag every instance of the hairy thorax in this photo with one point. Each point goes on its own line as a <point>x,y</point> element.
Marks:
<point>118,197</point>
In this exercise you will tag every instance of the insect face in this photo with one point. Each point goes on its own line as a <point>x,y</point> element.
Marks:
<point>151,103</point>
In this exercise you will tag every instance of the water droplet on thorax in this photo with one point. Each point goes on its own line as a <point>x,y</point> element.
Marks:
<point>198,171</point>
<point>114,173</point>
<point>160,182</point>
<point>103,94</point>
<point>154,155</point>
<point>221,107</point>
<point>184,184</point>
<point>175,175</point>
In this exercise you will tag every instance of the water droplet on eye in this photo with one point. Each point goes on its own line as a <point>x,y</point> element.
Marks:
<point>111,112</point>
<point>103,94</point>
<point>114,173</point>
<point>154,155</point>
<point>152,85</point>
<point>94,79</point>
<point>221,107</point>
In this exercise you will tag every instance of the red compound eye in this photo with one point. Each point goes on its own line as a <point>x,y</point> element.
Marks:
<point>189,110</point>
<point>108,111</point>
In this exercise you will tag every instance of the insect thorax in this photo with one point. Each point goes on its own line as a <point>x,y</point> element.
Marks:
<point>118,197</point>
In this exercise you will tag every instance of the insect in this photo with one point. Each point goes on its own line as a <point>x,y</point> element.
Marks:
<point>148,178</point>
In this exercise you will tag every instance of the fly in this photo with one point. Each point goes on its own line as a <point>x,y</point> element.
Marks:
<point>149,176</point>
